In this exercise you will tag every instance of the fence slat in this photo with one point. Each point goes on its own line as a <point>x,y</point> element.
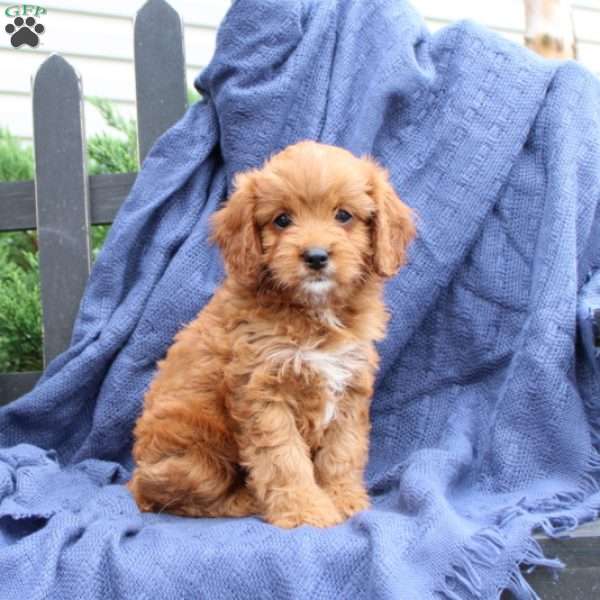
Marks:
<point>160,83</point>
<point>17,206</point>
<point>107,193</point>
<point>14,385</point>
<point>62,205</point>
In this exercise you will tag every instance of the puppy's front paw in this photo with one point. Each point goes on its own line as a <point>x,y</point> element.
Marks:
<point>315,518</point>
<point>349,498</point>
<point>317,510</point>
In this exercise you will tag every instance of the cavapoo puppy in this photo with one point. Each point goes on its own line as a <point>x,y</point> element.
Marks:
<point>261,406</point>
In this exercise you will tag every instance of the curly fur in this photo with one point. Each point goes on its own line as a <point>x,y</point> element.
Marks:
<point>261,404</point>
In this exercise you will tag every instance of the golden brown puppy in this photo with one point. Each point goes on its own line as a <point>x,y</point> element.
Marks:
<point>261,405</point>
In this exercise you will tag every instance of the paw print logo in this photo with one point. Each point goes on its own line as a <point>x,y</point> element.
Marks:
<point>24,31</point>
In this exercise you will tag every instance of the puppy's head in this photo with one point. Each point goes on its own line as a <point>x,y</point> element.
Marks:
<point>314,223</point>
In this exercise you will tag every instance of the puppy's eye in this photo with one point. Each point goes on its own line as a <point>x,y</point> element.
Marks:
<point>343,216</point>
<point>283,220</point>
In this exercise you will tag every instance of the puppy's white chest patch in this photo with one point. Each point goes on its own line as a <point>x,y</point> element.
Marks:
<point>329,412</point>
<point>336,367</point>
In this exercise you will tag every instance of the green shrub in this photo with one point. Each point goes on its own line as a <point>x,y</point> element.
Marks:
<point>16,162</point>
<point>20,314</point>
<point>110,153</point>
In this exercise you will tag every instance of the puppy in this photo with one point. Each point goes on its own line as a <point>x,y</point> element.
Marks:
<point>261,406</point>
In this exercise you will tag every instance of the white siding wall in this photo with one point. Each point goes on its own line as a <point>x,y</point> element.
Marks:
<point>96,36</point>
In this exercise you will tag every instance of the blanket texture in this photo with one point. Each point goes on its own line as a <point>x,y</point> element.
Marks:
<point>487,408</point>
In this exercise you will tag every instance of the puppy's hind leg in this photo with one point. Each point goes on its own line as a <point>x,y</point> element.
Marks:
<point>240,502</point>
<point>193,484</point>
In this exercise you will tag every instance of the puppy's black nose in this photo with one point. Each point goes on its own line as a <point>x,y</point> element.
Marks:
<point>315,258</point>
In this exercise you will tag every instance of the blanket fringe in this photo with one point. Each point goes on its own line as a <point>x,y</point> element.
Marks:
<point>555,514</point>
<point>482,552</point>
<point>534,557</point>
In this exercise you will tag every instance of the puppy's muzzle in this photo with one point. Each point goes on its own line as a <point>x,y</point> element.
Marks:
<point>316,258</point>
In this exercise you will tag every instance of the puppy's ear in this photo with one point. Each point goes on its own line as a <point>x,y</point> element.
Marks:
<point>392,223</point>
<point>236,232</point>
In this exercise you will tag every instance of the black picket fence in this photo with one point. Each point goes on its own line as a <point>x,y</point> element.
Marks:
<point>63,201</point>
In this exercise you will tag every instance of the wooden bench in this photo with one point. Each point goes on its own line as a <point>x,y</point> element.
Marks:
<point>63,202</point>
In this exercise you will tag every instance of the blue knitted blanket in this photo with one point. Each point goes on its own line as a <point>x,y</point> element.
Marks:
<point>487,408</point>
